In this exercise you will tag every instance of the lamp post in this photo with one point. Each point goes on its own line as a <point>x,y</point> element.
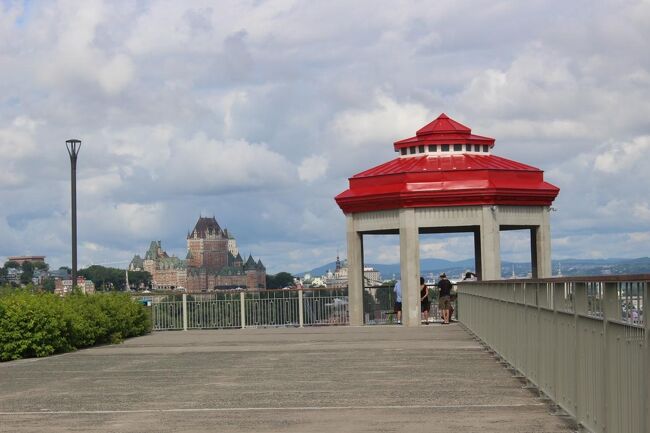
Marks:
<point>73,147</point>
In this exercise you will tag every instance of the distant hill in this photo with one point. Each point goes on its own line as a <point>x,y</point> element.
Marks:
<point>387,270</point>
<point>568,267</point>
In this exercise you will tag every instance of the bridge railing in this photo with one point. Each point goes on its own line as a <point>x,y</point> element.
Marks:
<point>240,309</point>
<point>582,341</point>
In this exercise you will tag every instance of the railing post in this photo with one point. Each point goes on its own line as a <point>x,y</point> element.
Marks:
<point>184,311</point>
<point>579,308</point>
<point>538,347</point>
<point>558,302</point>
<point>242,309</point>
<point>610,309</point>
<point>646,371</point>
<point>301,320</point>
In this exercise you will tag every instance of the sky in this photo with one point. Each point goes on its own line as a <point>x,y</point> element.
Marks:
<point>257,112</point>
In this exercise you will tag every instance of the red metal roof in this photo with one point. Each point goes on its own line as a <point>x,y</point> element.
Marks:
<point>459,179</point>
<point>444,130</point>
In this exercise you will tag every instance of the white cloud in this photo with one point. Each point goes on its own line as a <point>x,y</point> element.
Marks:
<point>313,168</point>
<point>17,139</point>
<point>132,220</point>
<point>220,166</point>
<point>639,237</point>
<point>386,254</point>
<point>116,74</point>
<point>642,211</point>
<point>383,122</point>
<point>623,156</point>
<point>73,55</point>
<point>539,76</point>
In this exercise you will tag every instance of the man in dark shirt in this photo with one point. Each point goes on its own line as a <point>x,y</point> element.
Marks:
<point>444,299</point>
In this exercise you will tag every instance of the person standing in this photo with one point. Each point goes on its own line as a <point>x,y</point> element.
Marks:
<point>425,304</point>
<point>444,299</point>
<point>398,301</point>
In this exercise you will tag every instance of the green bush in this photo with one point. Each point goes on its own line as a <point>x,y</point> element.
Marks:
<point>42,324</point>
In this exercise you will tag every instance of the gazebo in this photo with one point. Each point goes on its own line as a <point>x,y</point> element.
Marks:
<point>445,180</point>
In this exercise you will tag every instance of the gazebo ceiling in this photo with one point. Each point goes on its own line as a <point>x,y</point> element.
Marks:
<point>446,179</point>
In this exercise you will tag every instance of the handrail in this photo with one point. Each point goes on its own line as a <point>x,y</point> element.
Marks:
<point>582,341</point>
<point>576,279</point>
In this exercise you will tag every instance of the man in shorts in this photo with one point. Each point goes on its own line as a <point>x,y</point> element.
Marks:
<point>398,301</point>
<point>444,298</point>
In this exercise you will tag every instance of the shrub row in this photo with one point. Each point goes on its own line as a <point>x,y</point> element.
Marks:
<point>43,324</point>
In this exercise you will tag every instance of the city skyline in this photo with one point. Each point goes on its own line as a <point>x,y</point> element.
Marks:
<point>259,113</point>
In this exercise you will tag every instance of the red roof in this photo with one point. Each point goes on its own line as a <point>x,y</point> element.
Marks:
<point>457,179</point>
<point>444,130</point>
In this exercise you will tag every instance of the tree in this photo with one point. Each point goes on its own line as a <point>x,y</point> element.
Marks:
<point>12,264</point>
<point>41,266</point>
<point>103,277</point>
<point>385,296</point>
<point>28,273</point>
<point>48,284</point>
<point>113,278</point>
<point>140,278</point>
<point>279,280</point>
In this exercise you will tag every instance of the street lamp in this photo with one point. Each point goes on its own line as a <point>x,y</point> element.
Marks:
<point>73,147</point>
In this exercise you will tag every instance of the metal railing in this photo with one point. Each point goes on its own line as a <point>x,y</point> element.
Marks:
<point>583,342</point>
<point>379,305</point>
<point>267,308</point>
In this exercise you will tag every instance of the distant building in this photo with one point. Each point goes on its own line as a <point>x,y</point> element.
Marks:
<point>339,278</point>
<point>22,259</point>
<point>61,273</point>
<point>63,287</point>
<point>13,275</point>
<point>212,262</point>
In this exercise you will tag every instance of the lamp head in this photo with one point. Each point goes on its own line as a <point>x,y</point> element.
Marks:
<point>73,145</point>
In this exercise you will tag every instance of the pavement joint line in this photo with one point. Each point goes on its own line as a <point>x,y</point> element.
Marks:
<point>263,409</point>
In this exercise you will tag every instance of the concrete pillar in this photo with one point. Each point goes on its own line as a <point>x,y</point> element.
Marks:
<point>490,244</point>
<point>409,249</point>
<point>542,245</point>
<point>355,273</point>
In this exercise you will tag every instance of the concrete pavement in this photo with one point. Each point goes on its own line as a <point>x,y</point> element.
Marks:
<point>344,379</point>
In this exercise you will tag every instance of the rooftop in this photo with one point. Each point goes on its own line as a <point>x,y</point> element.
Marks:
<point>445,165</point>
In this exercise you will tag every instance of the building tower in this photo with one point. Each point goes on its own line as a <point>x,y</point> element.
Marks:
<point>207,245</point>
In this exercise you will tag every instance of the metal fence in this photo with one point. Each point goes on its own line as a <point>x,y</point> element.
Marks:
<point>583,342</point>
<point>305,307</point>
<point>222,310</point>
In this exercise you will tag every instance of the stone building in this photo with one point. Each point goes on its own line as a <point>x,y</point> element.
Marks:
<point>63,287</point>
<point>212,262</point>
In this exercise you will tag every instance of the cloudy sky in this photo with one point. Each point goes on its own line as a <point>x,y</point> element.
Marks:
<point>257,112</point>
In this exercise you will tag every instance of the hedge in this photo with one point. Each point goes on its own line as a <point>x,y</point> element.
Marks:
<point>43,324</point>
